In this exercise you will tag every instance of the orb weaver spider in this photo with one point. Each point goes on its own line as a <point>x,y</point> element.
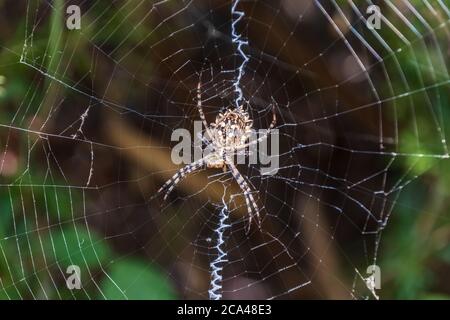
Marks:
<point>227,136</point>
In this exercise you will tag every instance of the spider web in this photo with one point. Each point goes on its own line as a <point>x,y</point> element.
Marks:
<point>85,148</point>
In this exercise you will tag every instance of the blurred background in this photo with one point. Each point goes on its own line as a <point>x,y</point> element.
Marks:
<point>85,122</point>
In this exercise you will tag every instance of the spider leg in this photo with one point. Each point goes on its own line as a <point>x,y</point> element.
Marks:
<point>170,184</point>
<point>200,108</point>
<point>252,207</point>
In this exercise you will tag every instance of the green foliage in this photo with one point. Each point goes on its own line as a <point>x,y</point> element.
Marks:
<point>42,230</point>
<point>77,245</point>
<point>132,279</point>
<point>38,256</point>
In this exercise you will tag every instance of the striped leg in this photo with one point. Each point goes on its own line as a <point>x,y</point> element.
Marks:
<point>200,108</point>
<point>252,207</point>
<point>180,175</point>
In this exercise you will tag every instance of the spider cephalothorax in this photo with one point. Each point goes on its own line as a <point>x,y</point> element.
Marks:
<point>227,136</point>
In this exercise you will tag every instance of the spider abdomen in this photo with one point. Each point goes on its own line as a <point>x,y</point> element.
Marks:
<point>231,129</point>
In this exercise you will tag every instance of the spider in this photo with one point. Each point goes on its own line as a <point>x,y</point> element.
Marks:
<point>227,136</point>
